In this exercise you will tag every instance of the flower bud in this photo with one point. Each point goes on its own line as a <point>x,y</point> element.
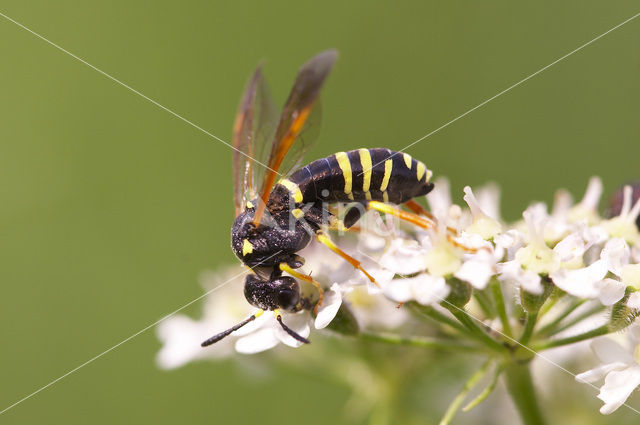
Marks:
<point>460,293</point>
<point>344,322</point>
<point>622,315</point>
<point>532,302</point>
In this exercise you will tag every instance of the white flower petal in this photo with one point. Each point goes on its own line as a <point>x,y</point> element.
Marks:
<point>634,300</point>
<point>476,272</point>
<point>562,202</point>
<point>510,239</point>
<point>439,198</point>
<point>260,340</point>
<point>635,254</point>
<point>633,333</point>
<point>580,282</point>
<point>398,290</point>
<point>530,282</point>
<point>615,254</point>
<point>594,235</point>
<point>512,272</point>
<point>428,289</point>
<point>472,240</point>
<point>181,337</point>
<point>488,197</point>
<point>618,386</point>
<point>610,291</point>
<point>329,308</point>
<point>609,351</point>
<point>371,242</point>
<point>593,193</point>
<point>404,257</point>
<point>570,248</point>
<point>599,372</point>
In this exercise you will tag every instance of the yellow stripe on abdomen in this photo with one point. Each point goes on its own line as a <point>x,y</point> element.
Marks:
<point>421,170</point>
<point>365,161</point>
<point>345,166</point>
<point>388,166</point>
<point>293,188</point>
<point>407,160</point>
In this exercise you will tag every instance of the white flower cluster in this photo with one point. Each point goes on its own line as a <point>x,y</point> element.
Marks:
<point>571,248</point>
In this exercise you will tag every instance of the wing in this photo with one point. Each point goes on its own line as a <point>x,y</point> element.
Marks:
<point>296,122</point>
<point>253,127</point>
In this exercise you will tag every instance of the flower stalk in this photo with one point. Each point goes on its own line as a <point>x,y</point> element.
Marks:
<point>477,332</point>
<point>599,331</point>
<point>496,290</point>
<point>462,395</point>
<point>520,387</point>
<point>529,325</point>
<point>551,326</point>
<point>414,341</point>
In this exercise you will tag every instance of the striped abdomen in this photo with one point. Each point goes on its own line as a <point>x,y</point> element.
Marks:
<point>360,175</point>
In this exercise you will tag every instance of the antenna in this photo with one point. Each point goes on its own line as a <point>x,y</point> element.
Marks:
<point>226,333</point>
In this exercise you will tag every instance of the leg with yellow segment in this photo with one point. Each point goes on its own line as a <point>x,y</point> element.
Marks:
<point>425,223</point>
<point>419,209</point>
<point>419,221</point>
<point>338,226</point>
<point>286,268</point>
<point>324,239</point>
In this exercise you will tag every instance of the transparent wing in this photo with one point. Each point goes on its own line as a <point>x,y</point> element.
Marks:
<point>298,125</point>
<point>306,138</point>
<point>253,128</point>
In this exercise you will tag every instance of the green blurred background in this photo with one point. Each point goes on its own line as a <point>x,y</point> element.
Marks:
<point>111,207</point>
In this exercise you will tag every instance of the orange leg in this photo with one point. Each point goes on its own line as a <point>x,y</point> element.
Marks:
<point>286,268</point>
<point>419,221</point>
<point>323,238</point>
<point>418,209</point>
<point>403,215</point>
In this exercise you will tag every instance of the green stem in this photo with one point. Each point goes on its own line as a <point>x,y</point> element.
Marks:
<point>549,327</point>
<point>602,330</point>
<point>547,306</point>
<point>435,315</point>
<point>496,289</point>
<point>529,324</point>
<point>475,330</point>
<point>393,339</point>
<point>522,392</point>
<point>468,386</point>
<point>485,303</point>
<point>579,318</point>
<point>485,393</point>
